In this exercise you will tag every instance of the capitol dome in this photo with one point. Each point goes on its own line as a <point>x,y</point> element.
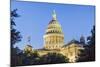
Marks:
<point>53,38</point>
<point>54,27</point>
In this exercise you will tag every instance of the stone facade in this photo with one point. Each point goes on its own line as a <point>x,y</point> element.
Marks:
<point>54,42</point>
<point>54,37</point>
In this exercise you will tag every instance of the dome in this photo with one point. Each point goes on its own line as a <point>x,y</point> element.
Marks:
<point>53,38</point>
<point>54,26</point>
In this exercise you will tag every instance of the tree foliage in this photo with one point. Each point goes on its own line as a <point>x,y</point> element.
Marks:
<point>23,59</point>
<point>52,58</point>
<point>15,34</point>
<point>91,45</point>
<point>88,54</point>
<point>91,38</point>
<point>15,37</point>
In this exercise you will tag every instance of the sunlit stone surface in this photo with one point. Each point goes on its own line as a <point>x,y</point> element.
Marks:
<point>54,42</point>
<point>54,37</point>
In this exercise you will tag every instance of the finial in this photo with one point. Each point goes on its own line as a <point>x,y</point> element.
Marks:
<point>54,15</point>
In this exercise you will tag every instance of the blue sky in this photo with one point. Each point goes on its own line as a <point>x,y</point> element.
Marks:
<point>76,20</point>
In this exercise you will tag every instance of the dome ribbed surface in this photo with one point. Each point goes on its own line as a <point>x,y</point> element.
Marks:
<point>54,27</point>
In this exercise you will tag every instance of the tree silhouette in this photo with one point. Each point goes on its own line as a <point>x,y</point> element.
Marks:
<point>15,35</point>
<point>31,58</point>
<point>16,56</point>
<point>52,58</point>
<point>91,39</point>
<point>88,54</point>
<point>91,43</point>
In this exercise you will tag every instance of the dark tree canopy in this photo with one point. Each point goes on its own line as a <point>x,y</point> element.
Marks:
<point>91,43</point>
<point>89,53</point>
<point>52,58</point>
<point>15,35</point>
<point>91,38</point>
